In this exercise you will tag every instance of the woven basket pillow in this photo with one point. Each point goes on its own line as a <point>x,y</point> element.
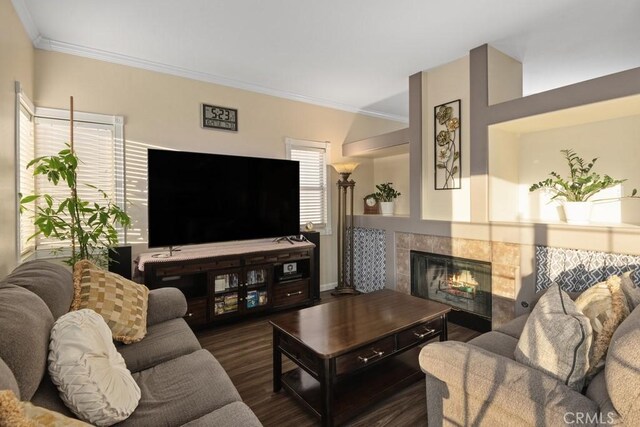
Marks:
<point>121,302</point>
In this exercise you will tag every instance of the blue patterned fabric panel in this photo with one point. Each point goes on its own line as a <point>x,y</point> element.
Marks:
<point>369,253</point>
<point>575,269</point>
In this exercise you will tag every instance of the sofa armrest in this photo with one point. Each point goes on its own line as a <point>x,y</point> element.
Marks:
<point>476,378</point>
<point>165,304</point>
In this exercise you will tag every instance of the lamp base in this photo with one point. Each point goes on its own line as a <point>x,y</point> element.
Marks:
<point>345,290</point>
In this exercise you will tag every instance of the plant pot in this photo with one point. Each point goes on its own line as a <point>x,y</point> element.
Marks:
<point>386,208</point>
<point>577,212</point>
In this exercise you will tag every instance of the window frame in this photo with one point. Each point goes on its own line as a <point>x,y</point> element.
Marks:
<point>117,122</point>
<point>302,144</point>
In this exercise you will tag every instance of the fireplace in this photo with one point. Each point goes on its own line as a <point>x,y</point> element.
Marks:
<point>463,284</point>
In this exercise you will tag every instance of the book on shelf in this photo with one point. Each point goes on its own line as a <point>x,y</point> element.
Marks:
<point>252,299</point>
<point>262,298</point>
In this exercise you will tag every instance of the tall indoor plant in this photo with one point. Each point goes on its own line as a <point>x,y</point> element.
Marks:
<point>577,189</point>
<point>91,227</point>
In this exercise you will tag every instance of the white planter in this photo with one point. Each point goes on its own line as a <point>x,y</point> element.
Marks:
<point>577,212</point>
<point>386,208</point>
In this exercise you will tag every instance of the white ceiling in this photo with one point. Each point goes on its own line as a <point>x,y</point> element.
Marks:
<point>350,54</point>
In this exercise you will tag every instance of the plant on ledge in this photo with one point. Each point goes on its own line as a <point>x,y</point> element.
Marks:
<point>386,193</point>
<point>581,184</point>
<point>90,227</point>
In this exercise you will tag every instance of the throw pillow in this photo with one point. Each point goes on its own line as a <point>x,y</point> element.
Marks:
<point>606,307</point>
<point>631,291</point>
<point>15,413</point>
<point>556,339</point>
<point>121,302</point>
<point>90,374</point>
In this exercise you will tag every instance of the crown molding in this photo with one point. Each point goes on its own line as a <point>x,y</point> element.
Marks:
<point>44,43</point>
<point>116,58</point>
<point>27,21</point>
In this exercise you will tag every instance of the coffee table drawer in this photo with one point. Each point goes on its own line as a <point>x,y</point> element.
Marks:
<point>300,355</point>
<point>365,356</point>
<point>422,332</point>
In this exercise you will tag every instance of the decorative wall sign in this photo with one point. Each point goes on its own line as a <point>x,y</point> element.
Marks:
<point>448,146</point>
<point>215,117</point>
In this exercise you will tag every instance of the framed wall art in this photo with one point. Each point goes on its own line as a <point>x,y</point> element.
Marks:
<point>448,146</point>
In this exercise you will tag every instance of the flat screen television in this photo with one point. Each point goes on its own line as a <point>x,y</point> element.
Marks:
<point>196,198</point>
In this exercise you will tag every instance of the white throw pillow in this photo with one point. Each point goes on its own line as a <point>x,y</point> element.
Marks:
<point>90,374</point>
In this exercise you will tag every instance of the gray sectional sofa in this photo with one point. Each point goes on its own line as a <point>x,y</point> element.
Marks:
<point>480,383</point>
<point>180,383</point>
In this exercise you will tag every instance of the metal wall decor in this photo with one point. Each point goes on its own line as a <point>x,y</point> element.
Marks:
<point>448,146</point>
<point>216,117</point>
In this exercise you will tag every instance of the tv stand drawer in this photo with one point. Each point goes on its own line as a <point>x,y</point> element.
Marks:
<point>290,293</point>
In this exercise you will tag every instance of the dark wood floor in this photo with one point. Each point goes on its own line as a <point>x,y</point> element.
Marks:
<point>244,350</point>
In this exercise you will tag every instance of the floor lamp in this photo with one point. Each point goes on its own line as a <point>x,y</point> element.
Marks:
<point>346,285</point>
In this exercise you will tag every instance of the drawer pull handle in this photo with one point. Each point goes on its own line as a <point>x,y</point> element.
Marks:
<point>290,294</point>
<point>426,332</point>
<point>373,356</point>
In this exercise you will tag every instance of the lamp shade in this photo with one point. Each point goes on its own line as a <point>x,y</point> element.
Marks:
<point>347,167</point>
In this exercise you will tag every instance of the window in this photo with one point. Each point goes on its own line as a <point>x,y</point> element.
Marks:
<point>25,183</point>
<point>314,192</point>
<point>98,142</point>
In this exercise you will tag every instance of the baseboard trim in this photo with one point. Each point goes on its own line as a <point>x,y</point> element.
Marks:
<point>328,286</point>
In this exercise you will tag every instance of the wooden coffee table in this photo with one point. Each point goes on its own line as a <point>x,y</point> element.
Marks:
<point>355,351</point>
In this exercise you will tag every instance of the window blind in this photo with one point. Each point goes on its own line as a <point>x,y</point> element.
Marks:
<point>100,163</point>
<point>314,197</point>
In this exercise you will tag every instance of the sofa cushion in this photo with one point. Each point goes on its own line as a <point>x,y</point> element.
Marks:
<point>163,342</point>
<point>236,414</point>
<point>91,376</point>
<point>15,413</point>
<point>514,327</point>
<point>180,390</point>
<point>622,369</point>
<point>597,391</point>
<point>7,380</point>
<point>496,342</point>
<point>630,289</point>
<point>121,302</point>
<point>25,323</point>
<point>606,307</point>
<point>556,339</point>
<point>165,304</point>
<point>53,283</point>
<point>48,396</point>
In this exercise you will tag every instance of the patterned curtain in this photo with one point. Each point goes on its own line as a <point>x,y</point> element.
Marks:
<point>369,253</point>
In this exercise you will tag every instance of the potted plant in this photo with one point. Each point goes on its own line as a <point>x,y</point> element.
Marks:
<point>577,189</point>
<point>386,195</point>
<point>90,227</point>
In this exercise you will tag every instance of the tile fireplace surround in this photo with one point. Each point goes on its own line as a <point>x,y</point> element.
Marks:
<point>504,259</point>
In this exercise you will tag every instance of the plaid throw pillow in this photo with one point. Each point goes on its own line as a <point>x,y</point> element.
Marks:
<point>121,302</point>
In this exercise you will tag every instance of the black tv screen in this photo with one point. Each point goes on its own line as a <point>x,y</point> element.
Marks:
<point>201,198</point>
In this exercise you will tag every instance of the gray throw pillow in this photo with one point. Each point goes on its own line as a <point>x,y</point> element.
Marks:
<point>630,289</point>
<point>556,339</point>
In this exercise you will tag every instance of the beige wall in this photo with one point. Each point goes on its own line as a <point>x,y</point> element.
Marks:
<point>445,84</point>
<point>164,111</point>
<point>16,64</point>
<point>518,160</point>
<point>394,169</point>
